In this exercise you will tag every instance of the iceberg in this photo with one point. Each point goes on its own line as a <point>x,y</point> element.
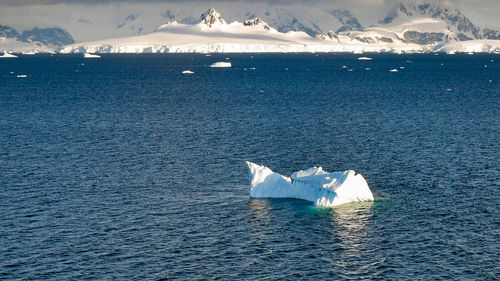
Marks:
<point>7,55</point>
<point>314,184</point>
<point>91,56</point>
<point>364,58</point>
<point>221,64</point>
<point>188,72</point>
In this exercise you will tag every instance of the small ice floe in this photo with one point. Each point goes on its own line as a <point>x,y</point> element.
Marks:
<point>187,72</point>
<point>449,89</point>
<point>470,53</point>
<point>491,81</point>
<point>12,72</point>
<point>252,68</point>
<point>30,53</point>
<point>350,70</point>
<point>401,67</point>
<point>261,91</point>
<point>492,60</point>
<point>227,58</point>
<point>7,56</point>
<point>364,58</point>
<point>485,66</point>
<point>393,70</point>
<point>21,76</point>
<point>208,55</point>
<point>368,68</point>
<point>91,56</point>
<point>286,68</point>
<point>442,64</point>
<point>344,66</point>
<point>451,52</point>
<point>409,61</point>
<point>221,64</point>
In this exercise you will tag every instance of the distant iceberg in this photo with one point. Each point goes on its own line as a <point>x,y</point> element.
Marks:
<point>7,55</point>
<point>221,64</point>
<point>91,56</point>
<point>314,184</point>
<point>188,72</point>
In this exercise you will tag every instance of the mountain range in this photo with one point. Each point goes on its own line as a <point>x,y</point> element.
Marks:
<point>406,27</point>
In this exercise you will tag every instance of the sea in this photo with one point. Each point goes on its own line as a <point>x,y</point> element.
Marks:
<point>124,168</point>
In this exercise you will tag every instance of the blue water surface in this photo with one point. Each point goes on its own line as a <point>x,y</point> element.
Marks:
<point>125,168</point>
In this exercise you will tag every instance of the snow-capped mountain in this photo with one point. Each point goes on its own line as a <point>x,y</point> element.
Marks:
<point>457,22</point>
<point>409,26</point>
<point>36,39</point>
<point>212,18</point>
<point>422,24</point>
<point>46,36</point>
<point>211,33</point>
<point>347,19</point>
<point>8,32</point>
<point>420,31</point>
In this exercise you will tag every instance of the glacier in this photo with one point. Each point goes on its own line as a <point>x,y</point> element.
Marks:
<point>314,184</point>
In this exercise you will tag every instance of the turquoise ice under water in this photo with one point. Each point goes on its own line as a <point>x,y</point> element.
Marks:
<point>125,168</point>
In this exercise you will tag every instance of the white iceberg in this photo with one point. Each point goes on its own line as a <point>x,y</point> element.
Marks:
<point>364,58</point>
<point>314,184</point>
<point>188,72</point>
<point>221,64</point>
<point>7,55</point>
<point>91,56</point>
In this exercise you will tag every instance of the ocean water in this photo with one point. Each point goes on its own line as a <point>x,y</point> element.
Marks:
<point>124,168</point>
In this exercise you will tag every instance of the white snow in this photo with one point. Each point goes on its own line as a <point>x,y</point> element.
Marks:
<point>314,184</point>
<point>13,46</point>
<point>7,55</point>
<point>393,70</point>
<point>471,47</point>
<point>187,72</point>
<point>22,76</point>
<point>364,58</point>
<point>91,56</point>
<point>221,64</point>
<point>212,34</point>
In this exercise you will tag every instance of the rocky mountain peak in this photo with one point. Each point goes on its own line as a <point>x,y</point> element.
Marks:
<point>257,22</point>
<point>212,17</point>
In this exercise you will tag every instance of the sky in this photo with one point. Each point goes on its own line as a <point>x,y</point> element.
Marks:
<point>94,19</point>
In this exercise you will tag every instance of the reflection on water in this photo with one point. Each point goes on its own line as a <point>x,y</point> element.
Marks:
<point>349,225</point>
<point>259,208</point>
<point>259,217</point>
<point>349,221</point>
